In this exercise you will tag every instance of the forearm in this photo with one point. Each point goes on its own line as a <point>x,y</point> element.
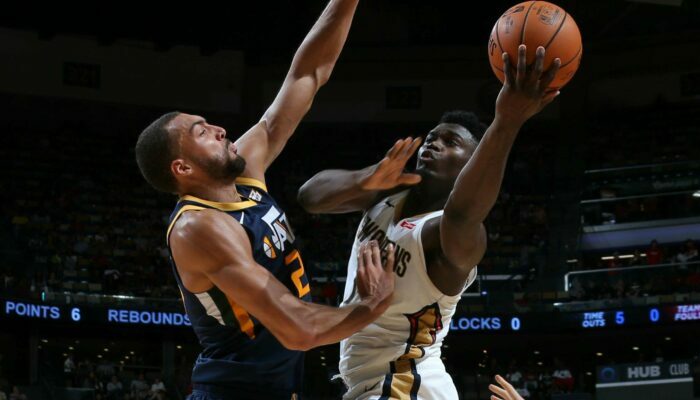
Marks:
<point>330,190</point>
<point>478,184</point>
<point>310,69</point>
<point>331,325</point>
<point>322,46</point>
<point>525,93</point>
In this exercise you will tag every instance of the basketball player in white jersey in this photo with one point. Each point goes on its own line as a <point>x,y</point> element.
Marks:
<point>435,220</point>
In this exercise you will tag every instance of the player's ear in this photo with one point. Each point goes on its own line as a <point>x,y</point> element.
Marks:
<point>179,167</point>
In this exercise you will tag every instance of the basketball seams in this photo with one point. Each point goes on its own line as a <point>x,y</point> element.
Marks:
<point>572,59</point>
<point>566,14</point>
<point>546,14</point>
<point>498,37</point>
<point>522,30</point>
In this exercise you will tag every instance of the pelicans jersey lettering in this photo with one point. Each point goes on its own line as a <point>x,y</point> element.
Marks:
<point>398,355</point>
<point>241,357</point>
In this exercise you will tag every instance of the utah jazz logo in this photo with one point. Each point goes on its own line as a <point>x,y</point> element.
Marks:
<point>280,232</point>
<point>255,195</point>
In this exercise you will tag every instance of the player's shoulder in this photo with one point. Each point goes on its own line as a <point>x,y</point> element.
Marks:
<point>388,198</point>
<point>205,223</point>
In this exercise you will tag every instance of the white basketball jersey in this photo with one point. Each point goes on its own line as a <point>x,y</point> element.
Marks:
<point>411,330</point>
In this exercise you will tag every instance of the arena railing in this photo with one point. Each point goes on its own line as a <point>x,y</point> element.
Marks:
<point>642,274</point>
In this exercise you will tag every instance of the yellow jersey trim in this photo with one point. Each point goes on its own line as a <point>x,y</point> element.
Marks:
<point>243,318</point>
<point>251,182</point>
<point>179,213</point>
<point>235,206</point>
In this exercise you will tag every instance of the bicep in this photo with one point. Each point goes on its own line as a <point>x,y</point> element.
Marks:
<point>257,291</point>
<point>462,244</point>
<point>217,247</point>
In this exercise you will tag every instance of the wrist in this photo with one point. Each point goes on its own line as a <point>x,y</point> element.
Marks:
<point>363,177</point>
<point>508,123</point>
<point>375,306</point>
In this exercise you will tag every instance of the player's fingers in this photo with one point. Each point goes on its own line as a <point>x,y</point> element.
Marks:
<point>367,255</point>
<point>498,391</point>
<point>389,266</point>
<point>412,149</point>
<point>508,387</point>
<point>406,148</point>
<point>502,381</point>
<point>508,70</point>
<point>394,150</point>
<point>400,145</point>
<point>360,259</point>
<point>539,65</point>
<point>549,97</point>
<point>495,398</point>
<point>376,256</point>
<point>521,72</point>
<point>550,74</point>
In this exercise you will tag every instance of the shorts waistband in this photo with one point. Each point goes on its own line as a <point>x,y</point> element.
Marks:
<point>244,392</point>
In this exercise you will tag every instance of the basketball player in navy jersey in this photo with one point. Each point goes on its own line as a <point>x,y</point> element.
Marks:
<point>233,252</point>
<point>434,217</point>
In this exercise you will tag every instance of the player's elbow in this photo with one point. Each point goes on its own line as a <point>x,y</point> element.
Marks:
<point>301,344</point>
<point>323,74</point>
<point>303,197</point>
<point>305,200</point>
<point>298,338</point>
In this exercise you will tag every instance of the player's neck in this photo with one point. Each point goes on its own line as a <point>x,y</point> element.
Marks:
<point>427,196</point>
<point>220,193</point>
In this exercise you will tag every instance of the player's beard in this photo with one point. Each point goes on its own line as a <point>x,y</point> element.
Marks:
<point>227,170</point>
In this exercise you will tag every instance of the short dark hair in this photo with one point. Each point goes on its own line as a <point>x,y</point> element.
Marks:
<point>467,119</point>
<point>155,150</point>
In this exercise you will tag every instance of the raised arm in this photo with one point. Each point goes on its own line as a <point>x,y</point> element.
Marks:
<point>462,236</point>
<point>311,67</point>
<point>340,191</point>
<point>217,249</point>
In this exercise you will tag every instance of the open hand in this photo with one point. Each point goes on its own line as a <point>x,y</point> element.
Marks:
<point>375,283</point>
<point>525,90</point>
<point>389,172</point>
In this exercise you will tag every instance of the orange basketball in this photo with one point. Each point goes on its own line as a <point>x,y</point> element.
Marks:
<point>537,23</point>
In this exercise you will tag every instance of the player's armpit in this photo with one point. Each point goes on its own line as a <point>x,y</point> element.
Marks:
<point>452,251</point>
<point>463,243</point>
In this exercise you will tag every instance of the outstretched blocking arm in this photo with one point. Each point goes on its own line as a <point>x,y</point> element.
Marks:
<point>462,235</point>
<point>340,191</point>
<point>311,68</point>
<point>218,249</point>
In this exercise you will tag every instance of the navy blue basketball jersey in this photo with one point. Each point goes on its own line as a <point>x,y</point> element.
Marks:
<point>239,354</point>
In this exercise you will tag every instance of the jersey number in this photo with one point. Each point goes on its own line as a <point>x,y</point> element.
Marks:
<point>302,289</point>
